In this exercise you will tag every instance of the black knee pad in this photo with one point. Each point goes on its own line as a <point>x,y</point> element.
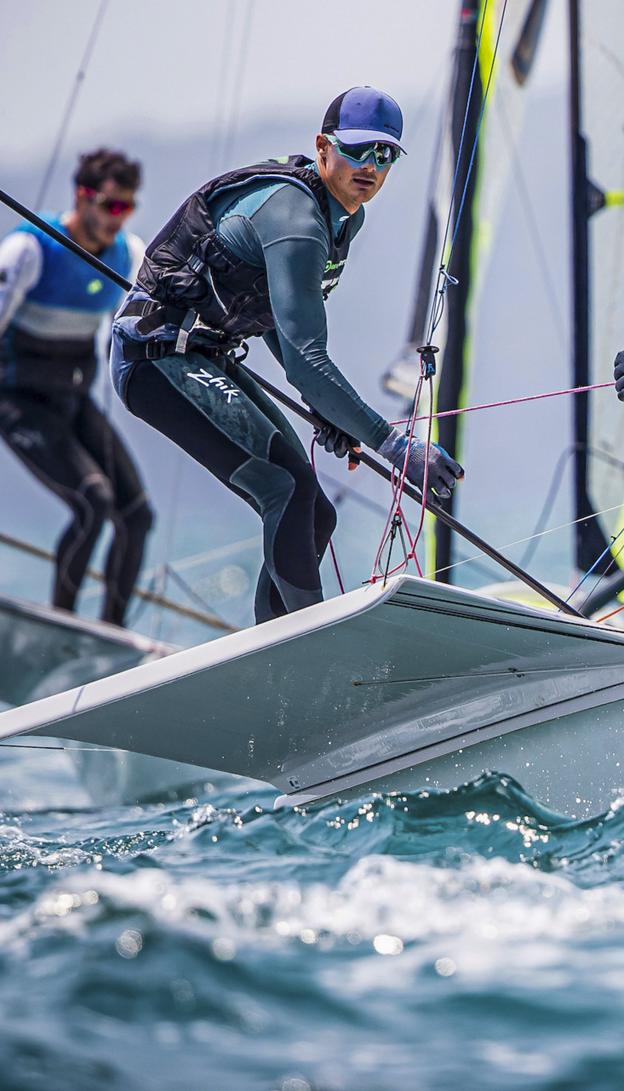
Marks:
<point>139,517</point>
<point>99,499</point>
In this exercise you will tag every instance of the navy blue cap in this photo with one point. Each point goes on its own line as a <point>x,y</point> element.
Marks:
<point>363,114</point>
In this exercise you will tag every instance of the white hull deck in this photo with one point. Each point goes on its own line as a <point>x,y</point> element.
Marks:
<point>412,685</point>
<point>44,650</point>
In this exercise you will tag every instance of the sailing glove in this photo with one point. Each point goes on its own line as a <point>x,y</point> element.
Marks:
<point>334,441</point>
<point>618,375</point>
<point>443,471</point>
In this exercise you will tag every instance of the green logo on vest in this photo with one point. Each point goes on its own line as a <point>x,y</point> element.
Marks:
<point>334,265</point>
<point>95,286</point>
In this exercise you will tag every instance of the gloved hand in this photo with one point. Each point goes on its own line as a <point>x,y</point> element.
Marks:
<point>618,375</point>
<point>336,442</point>
<point>443,470</point>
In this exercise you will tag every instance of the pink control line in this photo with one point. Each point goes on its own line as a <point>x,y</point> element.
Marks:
<point>510,401</point>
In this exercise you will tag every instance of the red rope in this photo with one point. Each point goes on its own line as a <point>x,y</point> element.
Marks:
<point>612,614</point>
<point>398,482</point>
<point>398,485</point>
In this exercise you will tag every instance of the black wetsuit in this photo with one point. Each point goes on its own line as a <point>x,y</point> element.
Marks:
<point>278,233</point>
<point>69,445</point>
<point>259,457</point>
<point>50,306</point>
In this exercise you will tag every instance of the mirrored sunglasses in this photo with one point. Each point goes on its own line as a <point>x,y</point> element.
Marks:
<point>112,205</point>
<point>383,154</point>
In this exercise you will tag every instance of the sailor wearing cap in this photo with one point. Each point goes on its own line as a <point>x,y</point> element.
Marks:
<point>256,252</point>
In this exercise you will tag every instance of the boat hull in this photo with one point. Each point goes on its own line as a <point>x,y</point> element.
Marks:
<point>384,686</point>
<point>43,651</point>
<point>574,765</point>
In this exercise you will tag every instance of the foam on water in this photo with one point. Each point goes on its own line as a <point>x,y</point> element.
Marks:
<point>421,940</point>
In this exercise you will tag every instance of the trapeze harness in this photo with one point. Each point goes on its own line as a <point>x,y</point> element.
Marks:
<point>204,287</point>
<point>51,423</point>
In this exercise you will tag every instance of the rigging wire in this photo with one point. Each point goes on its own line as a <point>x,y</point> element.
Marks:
<point>549,502</point>
<point>445,279</point>
<point>527,538</point>
<point>173,506</point>
<point>437,309</point>
<point>71,104</point>
<point>555,485</point>
<point>604,553</point>
<point>49,171</point>
<point>221,95</point>
<point>478,129</point>
<point>42,746</point>
<point>556,479</point>
<point>441,276</point>
<point>230,90</point>
<point>412,137</point>
<point>238,79</point>
<point>214,554</point>
<point>534,231</point>
<point>221,148</point>
<point>165,571</point>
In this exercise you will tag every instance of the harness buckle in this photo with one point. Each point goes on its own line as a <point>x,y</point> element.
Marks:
<point>155,350</point>
<point>184,332</point>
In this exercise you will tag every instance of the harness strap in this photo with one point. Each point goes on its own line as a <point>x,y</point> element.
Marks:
<point>185,328</point>
<point>146,350</point>
<point>156,350</point>
<point>152,314</point>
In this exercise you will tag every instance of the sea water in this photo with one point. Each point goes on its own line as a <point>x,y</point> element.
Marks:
<point>464,939</point>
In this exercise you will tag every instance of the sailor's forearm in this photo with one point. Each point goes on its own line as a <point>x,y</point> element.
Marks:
<point>322,385</point>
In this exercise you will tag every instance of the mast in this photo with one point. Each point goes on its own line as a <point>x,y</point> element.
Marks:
<point>590,541</point>
<point>456,349</point>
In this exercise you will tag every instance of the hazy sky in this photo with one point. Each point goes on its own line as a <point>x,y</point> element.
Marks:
<point>176,67</point>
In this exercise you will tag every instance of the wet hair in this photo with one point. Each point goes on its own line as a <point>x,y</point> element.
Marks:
<point>95,167</point>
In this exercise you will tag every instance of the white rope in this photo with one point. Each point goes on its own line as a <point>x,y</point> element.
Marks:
<point>530,538</point>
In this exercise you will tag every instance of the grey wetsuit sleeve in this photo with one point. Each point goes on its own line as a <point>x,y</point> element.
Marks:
<point>293,235</point>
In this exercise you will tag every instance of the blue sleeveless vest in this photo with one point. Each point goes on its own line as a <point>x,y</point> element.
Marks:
<point>67,281</point>
<point>46,362</point>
